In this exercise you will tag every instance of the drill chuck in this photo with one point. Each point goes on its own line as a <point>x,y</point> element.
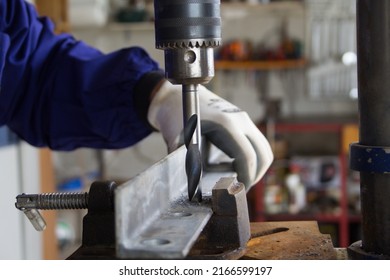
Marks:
<point>187,31</point>
<point>187,23</point>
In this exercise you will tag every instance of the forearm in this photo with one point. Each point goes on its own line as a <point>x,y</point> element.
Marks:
<point>61,93</point>
<point>105,106</point>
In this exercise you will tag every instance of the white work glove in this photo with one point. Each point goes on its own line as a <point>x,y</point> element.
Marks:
<point>223,124</point>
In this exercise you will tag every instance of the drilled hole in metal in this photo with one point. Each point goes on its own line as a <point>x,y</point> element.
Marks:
<point>270,231</point>
<point>155,242</point>
<point>181,214</point>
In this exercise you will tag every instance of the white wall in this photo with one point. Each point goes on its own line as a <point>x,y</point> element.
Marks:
<point>11,237</point>
<point>19,173</point>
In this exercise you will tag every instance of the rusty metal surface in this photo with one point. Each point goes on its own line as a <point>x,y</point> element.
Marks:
<point>299,240</point>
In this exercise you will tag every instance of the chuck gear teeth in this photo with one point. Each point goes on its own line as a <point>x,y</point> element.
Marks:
<point>213,43</point>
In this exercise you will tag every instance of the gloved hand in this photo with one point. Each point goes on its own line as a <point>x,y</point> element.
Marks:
<point>223,124</point>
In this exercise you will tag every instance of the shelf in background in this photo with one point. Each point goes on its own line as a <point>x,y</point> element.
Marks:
<point>260,65</point>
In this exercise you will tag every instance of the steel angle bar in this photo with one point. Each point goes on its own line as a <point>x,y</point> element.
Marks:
<point>154,218</point>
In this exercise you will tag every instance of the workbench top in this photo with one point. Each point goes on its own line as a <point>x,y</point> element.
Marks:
<point>298,240</point>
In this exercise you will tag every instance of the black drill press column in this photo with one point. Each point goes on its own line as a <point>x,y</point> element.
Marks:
<point>372,155</point>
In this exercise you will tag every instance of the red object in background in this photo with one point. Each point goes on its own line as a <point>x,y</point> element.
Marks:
<point>236,50</point>
<point>239,50</point>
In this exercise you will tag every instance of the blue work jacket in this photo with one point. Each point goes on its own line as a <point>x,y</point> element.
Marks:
<point>59,92</point>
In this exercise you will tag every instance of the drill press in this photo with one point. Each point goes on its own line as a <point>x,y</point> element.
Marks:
<point>187,31</point>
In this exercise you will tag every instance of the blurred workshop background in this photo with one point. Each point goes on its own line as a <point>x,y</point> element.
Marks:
<point>290,64</point>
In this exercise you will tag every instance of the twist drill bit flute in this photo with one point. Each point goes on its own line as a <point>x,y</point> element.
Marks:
<point>187,31</point>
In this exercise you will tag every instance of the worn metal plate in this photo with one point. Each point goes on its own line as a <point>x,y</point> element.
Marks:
<point>154,218</point>
<point>299,240</point>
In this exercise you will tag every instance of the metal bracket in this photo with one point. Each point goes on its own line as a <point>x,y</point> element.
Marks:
<point>154,219</point>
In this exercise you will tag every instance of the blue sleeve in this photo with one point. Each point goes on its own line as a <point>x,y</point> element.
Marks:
<point>61,93</point>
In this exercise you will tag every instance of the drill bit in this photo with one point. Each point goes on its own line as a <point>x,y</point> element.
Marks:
<point>193,161</point>
<point>192,141</point>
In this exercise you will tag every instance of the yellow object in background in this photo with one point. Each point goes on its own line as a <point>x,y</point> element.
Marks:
<point>350,134</point>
